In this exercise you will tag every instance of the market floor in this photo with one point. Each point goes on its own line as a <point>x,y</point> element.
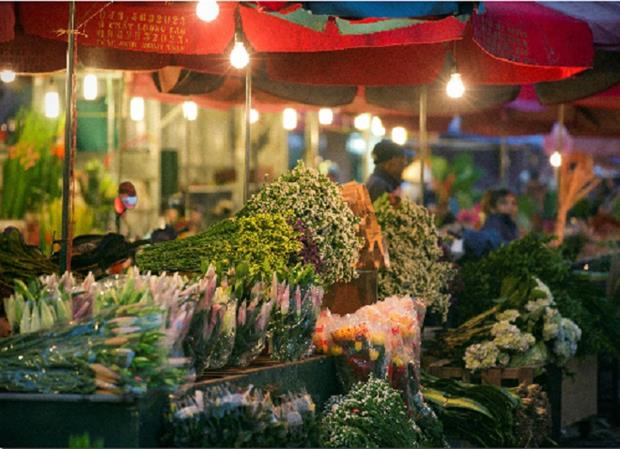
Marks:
<point>601,435</point>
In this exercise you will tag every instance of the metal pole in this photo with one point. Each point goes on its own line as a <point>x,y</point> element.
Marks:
<point>423,138</point>
<point>67,170</point>
<point>248,136</point>
<point>188,141</point>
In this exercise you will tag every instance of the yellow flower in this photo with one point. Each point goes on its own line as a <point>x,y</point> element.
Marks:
<point>336,350</point>
<point>358,346</point>
<point>377,339</point>
<point>396,360</point>
<point>373,354</point>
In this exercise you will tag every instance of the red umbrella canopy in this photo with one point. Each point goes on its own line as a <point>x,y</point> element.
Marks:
<point>302,47</point>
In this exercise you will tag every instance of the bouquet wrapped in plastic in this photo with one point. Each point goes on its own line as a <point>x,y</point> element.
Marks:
<point>231,417</point>
<point>252,319</point>
<point>293,319</point>
<point>211,335</point>
<point>378,339</point>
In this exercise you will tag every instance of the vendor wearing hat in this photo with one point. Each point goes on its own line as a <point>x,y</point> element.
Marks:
<point>390,160</point>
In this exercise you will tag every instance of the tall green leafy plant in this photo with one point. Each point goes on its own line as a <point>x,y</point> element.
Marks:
<point>33,170</point>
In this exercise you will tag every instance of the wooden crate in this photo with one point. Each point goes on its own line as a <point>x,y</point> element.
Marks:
<point>500,377</point>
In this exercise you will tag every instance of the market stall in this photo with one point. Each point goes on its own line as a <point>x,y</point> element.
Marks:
<point>211,340</point>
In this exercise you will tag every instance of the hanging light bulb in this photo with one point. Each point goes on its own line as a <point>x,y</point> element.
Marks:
<point>289,119</point>
<point>455,87</point>
<point>136,109</point>
<point>190,110</point>
<point>207,10</point>
<point>52,102</point>
<point>376,127</point>
<point>90,87</point>
<point>7,76</point>
<point>362,121</point>
<point>326,116</point>
<point>239,56</point>
<point>254,116</point>
<point>556,159</point>
<point>399,135</point>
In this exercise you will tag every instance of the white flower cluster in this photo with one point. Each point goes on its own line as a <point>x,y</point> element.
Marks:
<point>509,336</point>
<point>507,339</point>
<point>481,356</point>
<point>415,265</point>
<point>317,202</point>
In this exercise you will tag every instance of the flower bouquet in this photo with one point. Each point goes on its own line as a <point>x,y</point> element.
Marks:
<point>293,319</point>
<point>211,335</point>
<point>523,329</point>
<point>379,339</point>
<point>252,320</point>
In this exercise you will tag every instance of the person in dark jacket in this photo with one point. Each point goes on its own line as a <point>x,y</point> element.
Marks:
<point>390,160</point>
<point>499,227</point>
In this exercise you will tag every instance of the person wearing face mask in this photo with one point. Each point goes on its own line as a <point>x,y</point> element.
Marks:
<point>390,160</point>
<point>500,227</point>
<point>127,199</point>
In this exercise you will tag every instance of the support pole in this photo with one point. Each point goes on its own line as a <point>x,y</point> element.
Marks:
<point>312,136</point>
<point>248,136</point>
<point>188,142</point>
<point>67,170</point>
<point>503,160</point>
<point>423,138</point>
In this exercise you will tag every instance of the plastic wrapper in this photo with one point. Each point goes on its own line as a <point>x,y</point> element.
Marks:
<point>252,319</point>
<point>227,416</point>
<point>379,339</point>
<point>293,320</point>
<point>211,335</point>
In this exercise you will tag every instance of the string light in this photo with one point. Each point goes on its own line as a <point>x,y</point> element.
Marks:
<point>556,159</point>
<point>239,56</point>
<point>136,109</point>
<point>7,76</point>
<point>326,116</point>
<point>376,127</point>
<point>190,110</point>
<point>399,135</point>
<point>254,116</point>
<point>455,87</point>
<point>90,87</point>
<point>362,121</point>
<point>52,102</point>
<point>207,10</point>
<point>289,119</point>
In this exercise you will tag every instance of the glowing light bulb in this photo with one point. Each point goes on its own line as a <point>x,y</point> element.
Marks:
<point>239,56</point>
<point>326,116</point>
<point>52,104</point>
<point>455,87</point>
<point>90,87</point>
<point>190,110</point>
<point>556,159</point>
<point>362,121</point>
<point>7,76</point>
<point>399,135</point>
<point>254,116</point>
<point>289,119</point>
<point>376,127</point>
<point>207,10</point>
<point>136,109</point>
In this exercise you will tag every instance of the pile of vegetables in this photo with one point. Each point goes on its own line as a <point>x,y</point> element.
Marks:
<point>315,203</point>
<point>575,298</point>
<point>480,414</point>
<point>524,328</point>
<point>490,416</point>
<point>19,261</point>
<point>232,417</point>
<point>416,268</point>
